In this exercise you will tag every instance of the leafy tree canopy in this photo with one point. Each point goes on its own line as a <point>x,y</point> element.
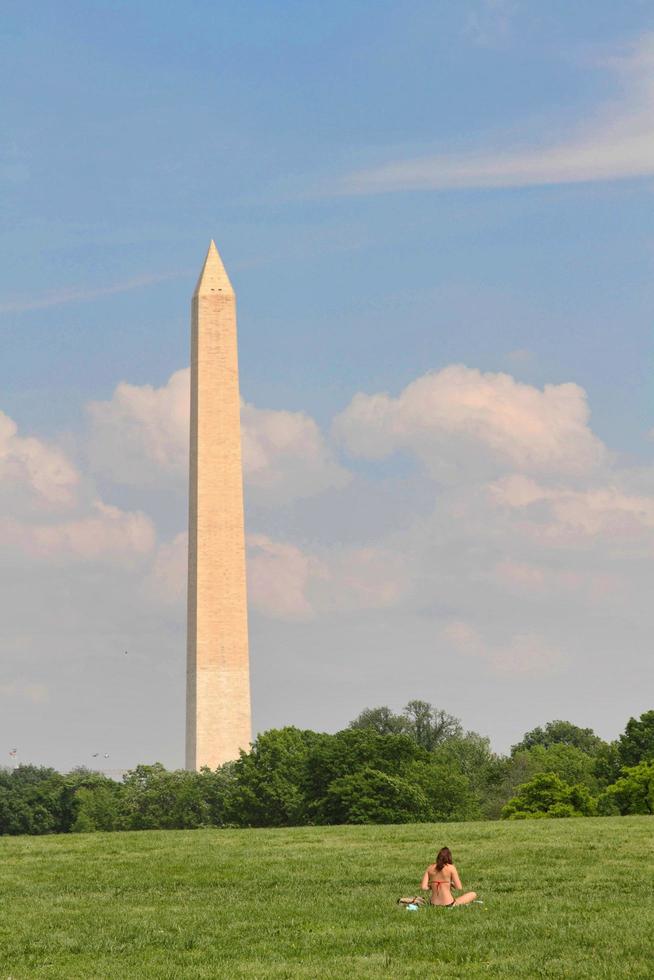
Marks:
<point>637,742</point>
<point>560,733</point>
<point>382,720</point>
<point>546,795</point>
<point>371,796</point>
<point>632,793</point>
<point>267,787</point>
<point>426,725</point>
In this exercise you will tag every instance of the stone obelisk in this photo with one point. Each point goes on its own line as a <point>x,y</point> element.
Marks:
<point>218,681</point>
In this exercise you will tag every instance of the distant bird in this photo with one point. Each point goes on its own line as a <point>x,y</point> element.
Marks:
<point>95,755</point>
<point>125,652</point>
<point>106,755</point>
<point>13,753</point>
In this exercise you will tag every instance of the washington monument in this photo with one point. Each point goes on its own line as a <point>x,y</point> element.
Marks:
<point>218,677</point>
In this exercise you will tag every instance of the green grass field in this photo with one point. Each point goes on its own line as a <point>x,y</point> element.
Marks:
<point>563,898</point>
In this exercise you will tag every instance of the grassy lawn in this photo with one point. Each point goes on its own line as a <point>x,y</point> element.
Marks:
<point>563,898</point>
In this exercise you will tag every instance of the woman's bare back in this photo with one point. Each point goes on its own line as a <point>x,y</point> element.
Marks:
<point>440,882</point>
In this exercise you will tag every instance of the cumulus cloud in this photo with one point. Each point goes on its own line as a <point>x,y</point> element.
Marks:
<point>140,436</point>
<point>285,455</point>
<point>32,466</point>
<point>166,580</point>
<point>142,431</point>
<point>528,496</point>
<point>287,582</point>
<point>524,655</point>
<point>617,144</point>
<point>278,578</point>
<point>107,534</point>
<point>292,583</point>
<point>565,514</point>
<point>520,551</point>
<point>538,578</point>
<point>50,515</point>
<point>461,420</point>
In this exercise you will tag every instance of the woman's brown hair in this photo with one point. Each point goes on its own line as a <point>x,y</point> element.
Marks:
<point>444,857</point>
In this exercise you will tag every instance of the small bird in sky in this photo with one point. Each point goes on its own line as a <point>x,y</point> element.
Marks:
<point>13,753</point>
<point>95,755</point>
<point>106,755</point>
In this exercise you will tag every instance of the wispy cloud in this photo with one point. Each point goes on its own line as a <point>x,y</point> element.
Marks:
<point>489,22</point>
<point>81,294</point>
<point>617,144</point>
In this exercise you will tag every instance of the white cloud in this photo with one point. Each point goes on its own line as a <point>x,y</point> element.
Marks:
<point>166,580</point>
<point>49,513</point>
<point>365,577</point>
<point>537,578</point>
<point>527,655</point>
<point>80,294</point>
<point>523,655</point>
<point>460,420</point>
<point>286,582</point>
<point>278,578</point>
<point>29,465</point>
<point>618,143</point>
<point>566,515</point>
<point>285,455</point>
<point>141,436</point>
<point>107,534</point>
<point>142,431</point>
<point>530,558</point>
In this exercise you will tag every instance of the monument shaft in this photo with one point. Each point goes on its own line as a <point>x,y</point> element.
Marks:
<point>218,682</point>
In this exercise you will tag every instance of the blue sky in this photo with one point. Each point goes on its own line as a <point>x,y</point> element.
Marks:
<point>394,188</point>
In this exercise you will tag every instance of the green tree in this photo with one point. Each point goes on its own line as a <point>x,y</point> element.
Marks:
<point>92,802</point>
<point>371,796</point>
<point>216,786</point>
<point>32,801</point>
<point>570,764</point>
<point>547,795</point>
<point>632,793</point>
<point>97,808</point>
<point>448,792</point>
<point>473,757</point>
<point>268,785</point>
<point>430,726</point>
<point>155,798</point>
<point>607,764</point>
<point>637,742</point>
<point>382,720</point>
<point>560,733</point>
<point>334,756</point>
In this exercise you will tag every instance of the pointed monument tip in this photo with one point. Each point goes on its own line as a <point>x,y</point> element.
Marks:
<point>213,278</point>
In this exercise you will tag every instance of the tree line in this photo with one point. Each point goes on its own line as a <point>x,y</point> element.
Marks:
<point>418,765</point>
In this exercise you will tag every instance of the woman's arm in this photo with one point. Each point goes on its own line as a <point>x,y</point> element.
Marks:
<point>425,879</point>
<point>456,881</point>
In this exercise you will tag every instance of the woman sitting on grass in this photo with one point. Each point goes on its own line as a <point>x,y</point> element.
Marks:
<point>441,877</point>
